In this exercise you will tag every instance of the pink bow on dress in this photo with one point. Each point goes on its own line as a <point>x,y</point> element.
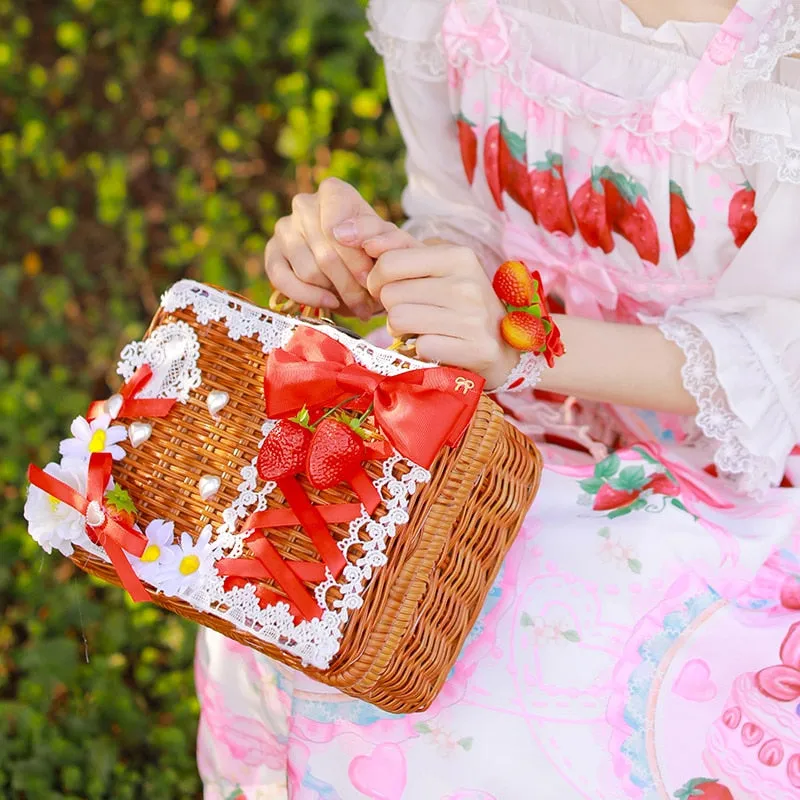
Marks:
<point>488,41</point>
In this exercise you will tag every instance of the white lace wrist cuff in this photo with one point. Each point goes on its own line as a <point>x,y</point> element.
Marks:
<point>525,375</point>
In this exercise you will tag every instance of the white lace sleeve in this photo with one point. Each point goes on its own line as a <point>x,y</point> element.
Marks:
<point>438,199</point>
<point>742,351</point>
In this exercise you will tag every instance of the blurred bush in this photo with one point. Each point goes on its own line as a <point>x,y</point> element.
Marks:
<point>141,141</point>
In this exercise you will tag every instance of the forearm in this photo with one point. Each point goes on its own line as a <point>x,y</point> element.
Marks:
<point>631,365</point>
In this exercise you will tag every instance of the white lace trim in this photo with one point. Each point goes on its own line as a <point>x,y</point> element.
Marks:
<point>528,370</point>
<point>172,351</point>
<point>750,472</point>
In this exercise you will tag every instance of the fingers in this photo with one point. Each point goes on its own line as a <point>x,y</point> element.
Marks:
<point>395,239</point>
<point>296,250</point>
<point>420,291</point>
<point>448,350</point>
<point>283,278</point>
<point>414,320</point>
<point>424,262</point>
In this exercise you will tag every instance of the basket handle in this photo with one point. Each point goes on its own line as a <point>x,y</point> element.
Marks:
<point>281,304</point>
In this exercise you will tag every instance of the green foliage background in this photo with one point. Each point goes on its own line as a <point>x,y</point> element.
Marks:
<point>141,141</point>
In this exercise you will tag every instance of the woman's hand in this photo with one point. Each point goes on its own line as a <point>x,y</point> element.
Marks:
<point>316,258</point>
<point>441,295</point>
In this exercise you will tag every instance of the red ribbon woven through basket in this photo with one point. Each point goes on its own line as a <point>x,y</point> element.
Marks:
<point>132,407</point>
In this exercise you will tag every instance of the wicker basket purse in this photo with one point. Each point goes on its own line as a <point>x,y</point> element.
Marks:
<point>371,585</point>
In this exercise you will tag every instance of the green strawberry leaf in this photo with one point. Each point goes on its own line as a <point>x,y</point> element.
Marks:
<point>525,620</point>
<point>571,636</point>
<point>516,143</point>
<point>608,467</point>
<point>636,505</point>
<point>554,159</point>
<point>302,418</point>
<point>692,788</point>
<point>422,727</point>
<point>592,485</point>
<point>680,506</point>
<point>631,479</point>
<point>635,566</point>
<point>117,498</point>
<point>466,743</point>
<point>462,118</point>
<point>604,533</point>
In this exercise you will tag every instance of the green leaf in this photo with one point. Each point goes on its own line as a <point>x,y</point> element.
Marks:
<point>592,485</point>
<point>422,727</point>
<point>635,565</point>
<point>604,533</point>
<point>516,143</point>
<point>608,467</point>
<point>117,498</point>
<point>680,506</point>
<point>631,479</point>
<point>571,636</point>
<point>525,620</point>
<point>466,743</point>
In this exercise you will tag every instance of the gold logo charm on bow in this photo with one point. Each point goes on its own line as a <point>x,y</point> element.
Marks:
<point>464,385</point>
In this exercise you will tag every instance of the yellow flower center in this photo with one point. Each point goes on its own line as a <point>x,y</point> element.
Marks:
<point>189,564</point>
<point>54,502</point>
<point>98,442</point>
<point>151,553</point>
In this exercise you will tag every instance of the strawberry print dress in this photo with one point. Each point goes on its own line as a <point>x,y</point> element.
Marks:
<point>643,638</point>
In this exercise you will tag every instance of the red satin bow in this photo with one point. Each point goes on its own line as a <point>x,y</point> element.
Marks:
<point>112,535</point>
<point>782,682</point>
<point>418,411</point>
<point>132,407</point>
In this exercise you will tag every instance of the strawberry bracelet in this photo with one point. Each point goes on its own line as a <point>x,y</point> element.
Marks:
<point>528,325</point>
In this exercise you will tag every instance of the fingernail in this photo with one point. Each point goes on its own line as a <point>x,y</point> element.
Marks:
<point>346,232</point>
<point>363,312</point>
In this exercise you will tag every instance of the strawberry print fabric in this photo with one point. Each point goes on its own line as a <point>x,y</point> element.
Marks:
<point>640,641</point>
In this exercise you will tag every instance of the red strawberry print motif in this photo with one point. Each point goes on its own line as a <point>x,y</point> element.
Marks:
<point>790,593</point>
<point>335,454</point>
<point>704,789</point>
<point>619,490</point>
<point>283,454</point>
<point>590,205</point>
<point>491,164</point>
<point>680,221</point>
<point>742,219</point>
<point>513,284</point>
<point>514,170</point>
<point>610,499</point>
<point>634,221</point>
<point>549,194</point>
<point>468,141</point>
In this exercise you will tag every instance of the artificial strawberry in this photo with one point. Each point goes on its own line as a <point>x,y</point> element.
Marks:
<point>742,219</point>
<point>491,164</point>
<point>590,207</point>
<point>704,789</point>
<point>661,484</point>
<point>524,331</point>
<point>610,499</point>
<point>680,221</point>
<point>284,451</point>
<point>335,454</point>
<point>468,142</point>
<point>119,506</point>
<point>550,199</point>
<point>634,221</point>
<point>513,284</point>
<point>514,170</point>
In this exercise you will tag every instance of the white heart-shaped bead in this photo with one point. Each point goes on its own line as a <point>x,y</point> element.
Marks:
<point>114,405</point>
<point>208,486</point>
<point>139,433</point>
<point>95,516</point>
<point>216,401</point>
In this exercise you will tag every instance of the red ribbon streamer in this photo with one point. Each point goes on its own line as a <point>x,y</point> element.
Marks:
<point>115,537</point>
<point>418,411</point>
<point>131,407</point>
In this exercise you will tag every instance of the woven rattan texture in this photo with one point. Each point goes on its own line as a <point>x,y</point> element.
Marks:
<point>398,648</point>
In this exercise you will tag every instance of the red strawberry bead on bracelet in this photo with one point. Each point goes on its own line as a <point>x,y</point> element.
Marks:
<point>527,325</point>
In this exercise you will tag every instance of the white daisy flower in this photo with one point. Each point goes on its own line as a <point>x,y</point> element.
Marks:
<point>185,564</point>
<point>94,437</point>
<point>51,523</point>
<point>160,537</point>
